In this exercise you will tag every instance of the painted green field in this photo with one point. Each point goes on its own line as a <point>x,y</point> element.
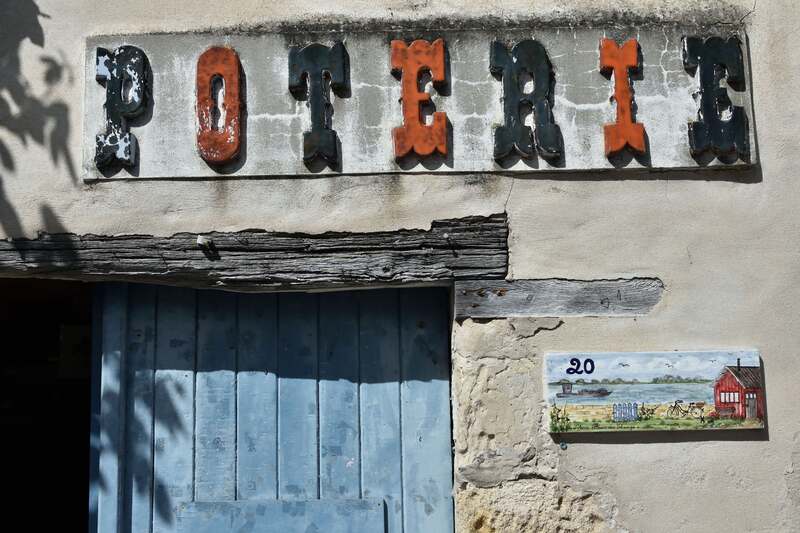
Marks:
<point>654,424</point>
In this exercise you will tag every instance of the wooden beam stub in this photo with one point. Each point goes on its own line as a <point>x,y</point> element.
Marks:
<point>473,247</point>
<point>556,297</point>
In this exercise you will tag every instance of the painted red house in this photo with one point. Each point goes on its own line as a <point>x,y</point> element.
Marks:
<point>739,393</point>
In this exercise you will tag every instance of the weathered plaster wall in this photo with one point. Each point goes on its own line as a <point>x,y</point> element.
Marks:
<point>726,251</point>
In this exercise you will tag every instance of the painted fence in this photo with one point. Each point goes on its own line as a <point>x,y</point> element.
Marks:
<point>625,412</point>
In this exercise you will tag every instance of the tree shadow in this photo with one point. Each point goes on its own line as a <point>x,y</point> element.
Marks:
<point>25,113</point>
<point>141,385</point>
<point>166,352</point>
<point>138,478</point>
<point>9,220</point>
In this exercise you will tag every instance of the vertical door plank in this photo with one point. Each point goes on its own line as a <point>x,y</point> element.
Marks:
<point>173,433</point>
<point>340,463</point>
<point>96,370</point>
<point>139,419</point>
<point>380,402</point>
<point>425,407</point>
<point>112,407</point>
<point>215,397</point>
<point>297,397</point>
<point>257,395</point>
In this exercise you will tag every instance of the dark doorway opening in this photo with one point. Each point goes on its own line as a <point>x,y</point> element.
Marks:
<point>45,400</point>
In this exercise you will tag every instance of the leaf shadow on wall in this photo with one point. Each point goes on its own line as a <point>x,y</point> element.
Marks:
<point>27,112</point>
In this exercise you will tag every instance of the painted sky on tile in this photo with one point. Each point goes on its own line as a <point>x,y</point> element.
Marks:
<point>644,366</point>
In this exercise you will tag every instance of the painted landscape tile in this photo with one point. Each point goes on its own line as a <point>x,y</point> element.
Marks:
<point>653,391</point>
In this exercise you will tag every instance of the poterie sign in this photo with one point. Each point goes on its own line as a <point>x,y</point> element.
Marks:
<point>197,105</point>
<point>646,391</point>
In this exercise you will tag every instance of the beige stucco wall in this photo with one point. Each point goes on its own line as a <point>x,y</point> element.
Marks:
<point>726,251</point>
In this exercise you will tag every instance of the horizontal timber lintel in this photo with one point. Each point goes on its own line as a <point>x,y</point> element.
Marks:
<point>474,247</point>
<point>556,297</point>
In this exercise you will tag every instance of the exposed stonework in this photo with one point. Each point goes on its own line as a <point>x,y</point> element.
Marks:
<point>506,465</point>
<point>531,505</point>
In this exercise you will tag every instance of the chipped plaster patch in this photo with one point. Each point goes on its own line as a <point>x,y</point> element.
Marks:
<point>507,466</point>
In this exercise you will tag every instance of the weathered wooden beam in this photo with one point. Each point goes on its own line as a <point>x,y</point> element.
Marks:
<point>556,297</point>
<point>466,248</point>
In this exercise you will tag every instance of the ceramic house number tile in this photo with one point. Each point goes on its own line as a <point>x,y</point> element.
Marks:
<point>654,391</point>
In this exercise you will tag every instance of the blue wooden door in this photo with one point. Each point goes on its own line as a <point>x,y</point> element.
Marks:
<point>283,412</point>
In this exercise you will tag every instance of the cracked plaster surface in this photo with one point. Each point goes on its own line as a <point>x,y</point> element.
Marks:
<point>665,102</point>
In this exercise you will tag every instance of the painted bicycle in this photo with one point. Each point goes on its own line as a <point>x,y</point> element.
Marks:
<point>679,410</point>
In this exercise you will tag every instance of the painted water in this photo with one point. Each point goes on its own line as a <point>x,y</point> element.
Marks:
<point>648,393</point>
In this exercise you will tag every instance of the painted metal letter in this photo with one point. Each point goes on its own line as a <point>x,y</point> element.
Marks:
<point>409,62</point>
<point>309,68</point>
<point>721,127</point>
<point>620,60</point>
<point>529,58</point>
<point>125,74</point>
<point>218,122</point>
